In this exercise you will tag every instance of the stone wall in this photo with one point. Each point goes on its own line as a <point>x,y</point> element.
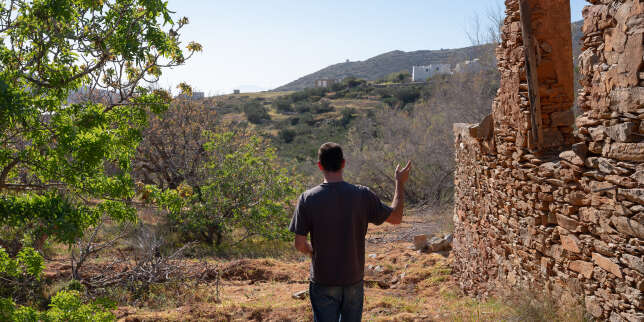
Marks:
<point>543,203</point>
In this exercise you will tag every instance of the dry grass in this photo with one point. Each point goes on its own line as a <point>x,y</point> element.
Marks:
<point>402,285</point>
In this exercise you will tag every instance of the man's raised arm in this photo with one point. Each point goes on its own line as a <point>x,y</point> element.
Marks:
<point>399,196</point>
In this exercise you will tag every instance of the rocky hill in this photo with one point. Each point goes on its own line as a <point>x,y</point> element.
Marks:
<point>380,66</point>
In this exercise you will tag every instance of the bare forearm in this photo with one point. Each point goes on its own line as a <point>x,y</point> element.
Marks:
<point>398,204</point>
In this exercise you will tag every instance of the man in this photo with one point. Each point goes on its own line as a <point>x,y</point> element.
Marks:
<point>336,214</point>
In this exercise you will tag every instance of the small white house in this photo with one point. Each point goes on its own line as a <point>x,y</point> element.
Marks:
<point>422,73</point>
<point>324,82</point>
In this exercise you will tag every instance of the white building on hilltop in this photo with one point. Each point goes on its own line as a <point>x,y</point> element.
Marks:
<point>422,73</point>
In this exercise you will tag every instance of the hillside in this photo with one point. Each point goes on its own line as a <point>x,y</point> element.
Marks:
<point>380,66</point>
<point>384,64</point>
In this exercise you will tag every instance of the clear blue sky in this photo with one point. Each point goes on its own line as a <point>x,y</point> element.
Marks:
<point>270,43</point>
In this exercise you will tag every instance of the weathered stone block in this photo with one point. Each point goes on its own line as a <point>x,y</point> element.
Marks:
<point>572,157</point>
<point>567,222</point>
<point>607,264</point>
<point>628,227</point>
<point>623,132</point>
<point>634,262</point>
<point>589,215</point>
<point>582,267</point>
<point>571,243</point>
<point>634,195</point>
<point>626,151</point>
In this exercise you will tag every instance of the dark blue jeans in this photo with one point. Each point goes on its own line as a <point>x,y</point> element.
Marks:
<point>337,303</point>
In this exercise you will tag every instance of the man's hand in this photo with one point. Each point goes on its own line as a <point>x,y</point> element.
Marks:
<point>303,245</point>
<point>399,196</point>
<point>403,175</point>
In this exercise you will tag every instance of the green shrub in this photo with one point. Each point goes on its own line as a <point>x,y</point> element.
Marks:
<point>347,116</point>
<point>21,275</point>
<point>287,135</point>
<point>322,107</point>
<point>283,105</point>
<point>65,305</point>
<point>303,107</point>
<point>352,82</point>
<point>242,189</point>
<point>256,113</point>
<point>407,95</point>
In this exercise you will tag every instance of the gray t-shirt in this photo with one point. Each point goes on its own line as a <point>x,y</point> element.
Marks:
<point>337,214</point>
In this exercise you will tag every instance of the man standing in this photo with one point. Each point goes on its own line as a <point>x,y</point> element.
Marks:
<point>336,214</point>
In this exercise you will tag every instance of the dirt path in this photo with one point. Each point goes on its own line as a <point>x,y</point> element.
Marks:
<point>416,223</point>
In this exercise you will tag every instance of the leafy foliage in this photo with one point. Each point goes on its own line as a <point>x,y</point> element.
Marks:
<point>26,269</point>
<point>74,104</point>
<point>66,306</point>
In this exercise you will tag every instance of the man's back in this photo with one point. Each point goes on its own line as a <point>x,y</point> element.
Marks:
<point>337,214</point>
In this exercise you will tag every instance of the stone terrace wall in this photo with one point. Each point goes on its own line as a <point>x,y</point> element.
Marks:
<point>568,216</point>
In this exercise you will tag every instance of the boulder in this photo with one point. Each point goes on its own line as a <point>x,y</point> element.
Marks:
<point>420,242</point>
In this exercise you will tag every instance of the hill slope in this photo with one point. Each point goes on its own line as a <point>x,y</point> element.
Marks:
<point>380,66</point>
<point>387,63</point>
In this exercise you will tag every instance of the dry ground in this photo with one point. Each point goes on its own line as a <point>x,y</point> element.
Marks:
<point>401,285</point>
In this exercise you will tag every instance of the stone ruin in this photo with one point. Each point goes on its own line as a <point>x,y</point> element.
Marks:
<point>546,200</point>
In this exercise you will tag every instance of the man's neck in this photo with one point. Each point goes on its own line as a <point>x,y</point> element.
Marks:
<point>332,177</point>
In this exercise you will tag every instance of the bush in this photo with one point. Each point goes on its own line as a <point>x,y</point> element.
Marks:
<point>399,77</point>
<point>322,107</point>
<point>383,92</point>
<point>287,135</point>
<point>242,190</point>
<point>423,134</point>
<point>303,107</point>
<point>66,305</point>
<point>407,95</point>
<point>309,94</point>
<point>352,82</point>
<point>347,116</point>
<point>21,275</point>
<point>256,113</point>
<point>283,105</point>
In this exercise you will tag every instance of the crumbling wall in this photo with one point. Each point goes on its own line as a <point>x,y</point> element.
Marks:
<point>541,202</point>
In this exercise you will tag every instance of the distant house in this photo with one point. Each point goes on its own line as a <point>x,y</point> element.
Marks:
<point>236,91</point>
<point>469,66</point>
<point>422,73</point>
<point>325,82</point>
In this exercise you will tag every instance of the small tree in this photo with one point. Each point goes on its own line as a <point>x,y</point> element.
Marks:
<point>256,113</point>
<point>287,135</point>
<point>243,190</point>
<point>283,105</point>
<point>172,149</point>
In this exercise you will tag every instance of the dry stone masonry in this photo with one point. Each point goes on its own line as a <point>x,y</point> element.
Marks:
<point>544,199</point>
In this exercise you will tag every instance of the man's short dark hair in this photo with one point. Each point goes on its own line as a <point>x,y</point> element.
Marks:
<point>330,156</point>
